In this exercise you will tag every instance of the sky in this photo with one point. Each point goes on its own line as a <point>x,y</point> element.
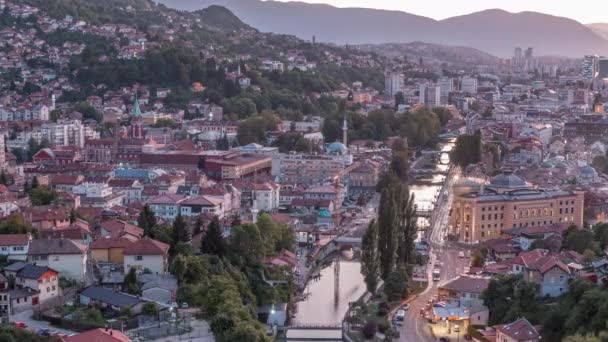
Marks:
<point>589,11</point>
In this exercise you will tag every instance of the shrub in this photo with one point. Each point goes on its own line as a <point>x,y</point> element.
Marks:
<point>149,309</point>
<point>369,329</point>
<point>384,325</point>
<point>382,312</point>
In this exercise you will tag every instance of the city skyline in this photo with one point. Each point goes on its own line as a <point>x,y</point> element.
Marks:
<point>442,10</point>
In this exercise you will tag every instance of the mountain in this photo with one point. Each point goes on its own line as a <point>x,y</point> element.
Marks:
<point>494,31</point>
<point>600,28</point>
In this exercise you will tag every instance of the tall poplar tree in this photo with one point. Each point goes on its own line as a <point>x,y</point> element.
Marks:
<point>387,238</point>
<point>370,264</point>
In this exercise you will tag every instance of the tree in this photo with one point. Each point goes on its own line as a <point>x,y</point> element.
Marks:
<point>407,227</point>
<point>508,297</point>
<point>147,221</point>
<point>370,264</point>
<point>73,215</point>
<point>395,286</point>
<point>467,150</point>
<point>131,284</point>
<point>198,225</point>
<point>3,178</point>
<point>178,268</point>
<point>55,115</point>
<point>387,216</point>
<point>149,309</point>
<point>42,195</point>
<point>478,259</point>
<point>213,241</point>
<point>579,240</point>
<point>246,243</point>
<point>35,182</point>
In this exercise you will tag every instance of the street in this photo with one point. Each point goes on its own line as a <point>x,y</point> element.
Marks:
<point>26,317</point>
<point>415,327</point>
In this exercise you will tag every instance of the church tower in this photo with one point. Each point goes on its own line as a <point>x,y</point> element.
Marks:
<point>136,121</point>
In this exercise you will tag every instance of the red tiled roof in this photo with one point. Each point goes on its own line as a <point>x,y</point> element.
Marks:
<point>110,242</point>
<point>118,228</point>
<point>520,330</point>
<point>467,284</point>
<point>98,335</point>
<point>146,247</point>
<point>14,239</point>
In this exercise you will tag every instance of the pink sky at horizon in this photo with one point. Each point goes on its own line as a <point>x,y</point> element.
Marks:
<point>585,12</point>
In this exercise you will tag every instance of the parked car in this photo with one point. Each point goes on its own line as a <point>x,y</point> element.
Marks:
<point>400,317</point>
<point>20,324</point>
<point>461,254</point>
<point>457,328</point>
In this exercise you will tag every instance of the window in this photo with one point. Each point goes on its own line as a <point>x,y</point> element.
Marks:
<point>139,257</point>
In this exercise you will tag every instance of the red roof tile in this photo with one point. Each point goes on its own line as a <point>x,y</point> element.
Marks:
<point>146,247</point>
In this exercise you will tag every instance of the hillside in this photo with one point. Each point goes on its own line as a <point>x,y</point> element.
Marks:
<point>600,28</point>
<point>494,31</point>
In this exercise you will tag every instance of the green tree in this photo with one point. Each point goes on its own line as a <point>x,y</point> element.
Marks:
<point>178,268</point>
<point>370,264</point>
<point>55,115</point>
<point>579,240</point>
<point>395,286</point>
<point>387,223</point>
<point>407,227</point>
<point>213,241</point>
<point>131,284</point>
<point>150,309</point>
<point>147,221</point>
<point>198,225</point>
<point>246,243</point>
<point>467,150</point>
<point>3,178</point>
<point>42,196</point>
<point>35,183</point>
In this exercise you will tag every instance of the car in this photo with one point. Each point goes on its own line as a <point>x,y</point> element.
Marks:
<point>406,307</point>
<point>184,305</point>
<point>44,332</point>
<point>20,324</point>
<point>461,254</point>
<point>457,328</point>
<point>400,317</point>
<point>444,339</point>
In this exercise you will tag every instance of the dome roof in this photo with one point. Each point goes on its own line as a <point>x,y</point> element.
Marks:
<point>336,148</point>
<point>508,180</point>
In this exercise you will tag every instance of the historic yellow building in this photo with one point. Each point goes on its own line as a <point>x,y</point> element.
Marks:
<point>482,213</point>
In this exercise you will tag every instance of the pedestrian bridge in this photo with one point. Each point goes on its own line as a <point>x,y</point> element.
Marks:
<point>312,333</point>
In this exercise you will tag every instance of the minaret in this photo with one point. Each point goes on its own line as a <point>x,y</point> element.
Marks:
<point>254,208</point>
<point>345,132</point>
<point>53,102</point>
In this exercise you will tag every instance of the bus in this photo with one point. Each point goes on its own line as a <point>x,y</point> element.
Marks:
<point>436,274</point>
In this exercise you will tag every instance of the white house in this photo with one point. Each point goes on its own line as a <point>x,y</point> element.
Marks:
<point>146,254</point>
<point>203,205</point>
<point>15,246</point>
<point>66,256</point>
<point>166,206</point>
<point>42,279</point>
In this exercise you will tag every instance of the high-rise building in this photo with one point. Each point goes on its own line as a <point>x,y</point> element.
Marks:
<point>430,95</point>
<point>518,57</point>
<point>590,67</point>
<point>393,83</point>
<point>446,85</point>
<point>602,67</point>
<point>468,85</point>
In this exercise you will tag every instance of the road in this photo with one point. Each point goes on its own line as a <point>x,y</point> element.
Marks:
<point>26,317</point>
<point>415,327</point>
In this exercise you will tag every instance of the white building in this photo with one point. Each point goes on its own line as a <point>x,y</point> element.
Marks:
<point>66,256</point>
<point>446,85</point>
<point>468,85</point>
<point>146,254</point>
<point>393,82</point>
<point>15,246</point>
<point>430,95</point>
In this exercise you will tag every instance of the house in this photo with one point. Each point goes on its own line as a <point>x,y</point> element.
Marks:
<point>119,228</point>
<point>23,299</point>
<point>545,269</point>
<point>196,206</point>
<point>5,301</point>
<point>166,206</point>
<point>519,331</point>
<point>146,254</point>
<point>66,182</point>
<point>40,283</point>
<point>161,288</point>
<point>15,246</point>
<point>464,288</point>
<point>109,249</point>
<point>106,298</point>
<point>66,256</point>
<point>98,335</point>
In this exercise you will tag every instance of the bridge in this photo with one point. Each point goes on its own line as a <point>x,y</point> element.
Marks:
<point>348,240</point>
<point>426,213</point>
<point>311,333</point>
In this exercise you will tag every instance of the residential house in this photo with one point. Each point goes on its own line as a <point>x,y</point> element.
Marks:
<point>15,246</point>
<point>66,256</point>
<point>131,188</point>
<point>196,206</point>
<point>464,288</point>
<point>41,279</point>
<point>98,335</point>
<point>161,288</point>
<point>545,269</point>
<point>110,299</point>
<point>166,206</point>
<point>66,182</point>
<point>109,249</point>
<point>5,301</point>
<point>119,228</point>
<point>146,254</point>
<point>519,331</point>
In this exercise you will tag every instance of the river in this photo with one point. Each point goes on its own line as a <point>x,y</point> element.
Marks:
<point>321,306</point>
